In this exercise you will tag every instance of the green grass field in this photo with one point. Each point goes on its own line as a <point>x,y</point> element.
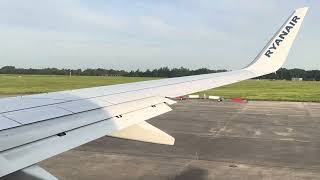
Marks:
<point>251,89</point>
<point>31,84</point>
<point>279,90</point>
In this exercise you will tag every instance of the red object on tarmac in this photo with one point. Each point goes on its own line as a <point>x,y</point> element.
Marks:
<point>180,98</point>
<point>237,100</point>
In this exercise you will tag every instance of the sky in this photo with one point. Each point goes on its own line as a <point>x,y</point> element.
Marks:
<point>148,34</point>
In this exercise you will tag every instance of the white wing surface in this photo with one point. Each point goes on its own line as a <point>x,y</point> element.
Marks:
<point>36,127</point>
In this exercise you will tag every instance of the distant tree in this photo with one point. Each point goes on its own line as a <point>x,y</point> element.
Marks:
<point>8,70</point>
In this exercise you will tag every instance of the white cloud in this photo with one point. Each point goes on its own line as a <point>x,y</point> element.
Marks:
<point>97,19</point>
<point>155,25</point>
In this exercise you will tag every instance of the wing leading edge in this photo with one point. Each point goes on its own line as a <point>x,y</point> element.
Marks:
<point>83,115</point>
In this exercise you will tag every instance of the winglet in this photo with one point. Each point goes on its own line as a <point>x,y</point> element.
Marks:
<point>274,54</point>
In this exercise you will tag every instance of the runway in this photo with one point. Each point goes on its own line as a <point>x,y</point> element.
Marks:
<point>227,140</point>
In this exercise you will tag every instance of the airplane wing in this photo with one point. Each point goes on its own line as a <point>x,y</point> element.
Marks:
<point>36,127</point>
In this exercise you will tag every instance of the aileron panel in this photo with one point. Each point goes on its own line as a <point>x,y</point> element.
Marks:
<point>6,123</point>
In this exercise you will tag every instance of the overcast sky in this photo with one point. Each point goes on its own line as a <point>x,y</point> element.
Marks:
<point>132,34</point>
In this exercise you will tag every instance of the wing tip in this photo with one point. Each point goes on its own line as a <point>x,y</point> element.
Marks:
<point>302,9</point>
<point>260,65</point>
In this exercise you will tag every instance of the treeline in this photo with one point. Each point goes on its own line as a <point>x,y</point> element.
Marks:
<point>56,71</point>
<point>161,72</point>
<point>283,73</point>
<point>174,72</point>
<point>288,74</point>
